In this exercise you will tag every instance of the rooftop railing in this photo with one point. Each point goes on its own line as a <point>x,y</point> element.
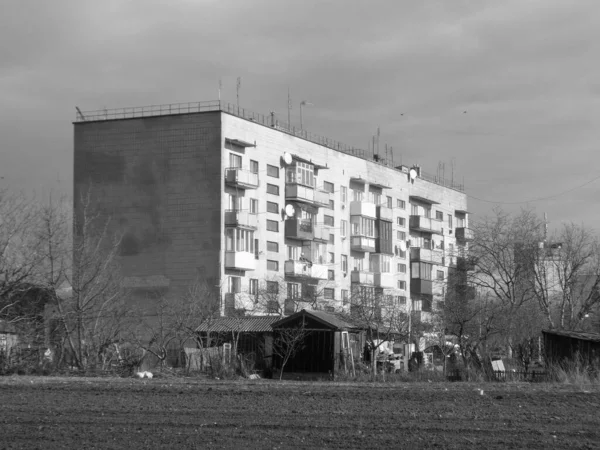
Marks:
<point>267,120</point>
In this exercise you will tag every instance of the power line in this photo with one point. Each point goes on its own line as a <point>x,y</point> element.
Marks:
<point>536,199</point>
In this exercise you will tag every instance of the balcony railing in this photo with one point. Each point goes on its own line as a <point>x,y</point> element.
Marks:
<point>362,243</point>
<point>384,280</point>
<point>425,224</point>
<point>305,269</point>
<point>385,213</point>
<point>464,234</point>
<point>420,286</point>
<point>299,229</point>
<point>360,277</point>
<point>305,194</point>
<point>241,178</point>
<point>242,219</point>
<point>240,260</point>
<point>365,209</point>
<point>426,255</point>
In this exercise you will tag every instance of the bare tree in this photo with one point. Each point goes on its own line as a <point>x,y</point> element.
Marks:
<point>567,276</point>
<point>382,316</point>
<point>288,342</point>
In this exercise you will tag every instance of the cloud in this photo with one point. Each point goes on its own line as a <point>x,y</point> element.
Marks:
<point>525,72</point>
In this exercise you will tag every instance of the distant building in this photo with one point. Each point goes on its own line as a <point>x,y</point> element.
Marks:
<point>209,191</point>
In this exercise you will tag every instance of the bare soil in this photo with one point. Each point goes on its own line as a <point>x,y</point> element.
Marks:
<point>49,413</point>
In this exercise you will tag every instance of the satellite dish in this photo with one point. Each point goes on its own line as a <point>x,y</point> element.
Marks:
<point>287,158</point>
<point>412,174</point>
<point>403,246</point>
<point>290,210</point>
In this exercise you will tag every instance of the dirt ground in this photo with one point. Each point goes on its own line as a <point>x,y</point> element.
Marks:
<point>49,413</point>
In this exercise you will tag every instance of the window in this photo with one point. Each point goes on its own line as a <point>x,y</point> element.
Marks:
<point>450,221</point>
<point>357,195</point>
<point>427,243</point>
<point>272,287</point>
<point>331,238</point>
<point>272,189</point>
<point>388,201</point>
<point>272,171</point>
<point>440,274</point>
<point>331,274</point>
<point>234,203</point>
<point>253,166</point>
<point>401,235</point>
<point>420,270</point>
<point>272,246</point>
<point>272,225</point>
<point>256,252</point>
<point>362,226</point>
<point>402,285</point>
<point>401,221</point>
<point>272,207</point>
<point>343,194</point>
<point>234,285</point>
<point>427,212</point>
<point>293,290</point>
<point>327,186</point>
<point>401,254</point>
<point>401,299</point>
<point>331,204</point>
<point>253,206</point>
<point>344,296</point>
<point>301,173</point>
<point>235,160</point>
<point>414,210</point>
<point>328,221</point>
<point>460,222</point>
<point>344,263</point>
<point>293,253</point>
<point>343,228</point>
<point>253,286</point>
<point>401,268</point>
<point>331,258</point>
<point>329,293</point>
<point>238,240</point>
<point>401,204</point>
<point>439,215</point>
<point>272,265</point>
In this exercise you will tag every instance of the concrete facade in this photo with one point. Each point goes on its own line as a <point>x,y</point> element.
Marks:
<point>216,196</point>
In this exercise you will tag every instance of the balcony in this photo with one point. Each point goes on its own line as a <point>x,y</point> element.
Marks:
<point>362,243</point>
<point>384,280</point>
<point>426,255</point>
<point>240,260</point>
<point>425,224</point>
<point>465,263</point>
<point>464,234</point>
<point>365,209</point>
<point>420,286</point>
<point>241,219</point>
<point>321,234</point>
<point>304,269</point>
<point>385,213</point>
<point>305,194</point>
<point>241,178</point>
<point>360,277</point>
<point>299,229</point>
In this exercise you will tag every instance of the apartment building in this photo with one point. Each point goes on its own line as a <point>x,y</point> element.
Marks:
<point>260,209</point>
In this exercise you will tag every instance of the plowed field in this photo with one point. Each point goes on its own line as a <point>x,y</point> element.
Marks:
<point>50,413</point>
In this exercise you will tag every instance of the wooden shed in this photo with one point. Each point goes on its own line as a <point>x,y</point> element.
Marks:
<point>570,346</point>
<point>328,344</point>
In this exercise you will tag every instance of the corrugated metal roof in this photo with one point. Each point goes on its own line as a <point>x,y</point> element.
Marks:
<point>331,320</point>
<point>250,324</point>
<point>595,337</point>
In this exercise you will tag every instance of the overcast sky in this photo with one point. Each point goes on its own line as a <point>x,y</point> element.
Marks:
<point>526,72</point>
